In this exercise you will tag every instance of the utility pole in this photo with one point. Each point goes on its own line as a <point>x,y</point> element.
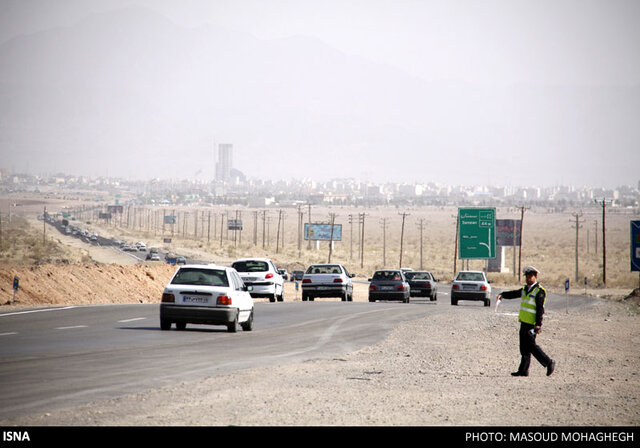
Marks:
<point>235,231</point>
<point>384,241</point>
<point>455,253</point>
<point>404,215</point>
<point>421,227</point>
<point>333,218</point>
<point>362,243</point>
<point>195,225</point>
<point>309,228</point>
<point>284,216</point>
<point>227,228</point>
<point>350,237</point>
<point>604,203</point>
<point>577,226</point>
<point>300,229</point>
<point>264,223</point>
<point>278,231</point>
<point>221,227</point>
<point>255,228</point>
<point>522,210</point>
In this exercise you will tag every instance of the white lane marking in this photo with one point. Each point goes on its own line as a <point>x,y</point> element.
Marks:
<point>72,327</point>
<point>37,311</point>
<point>8,334</point>
<point>131,320</point>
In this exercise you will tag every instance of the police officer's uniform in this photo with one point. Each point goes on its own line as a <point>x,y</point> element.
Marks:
<point>530,317</point>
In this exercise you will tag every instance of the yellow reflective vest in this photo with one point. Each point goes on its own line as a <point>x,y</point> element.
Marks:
<point>528,305</point>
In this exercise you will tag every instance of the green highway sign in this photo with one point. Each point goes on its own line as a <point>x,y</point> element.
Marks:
<point>476,233</point>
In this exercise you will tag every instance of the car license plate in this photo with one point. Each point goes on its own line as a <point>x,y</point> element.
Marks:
<point>189,299</point>
<point>386,288</point>
<point>469,287</point>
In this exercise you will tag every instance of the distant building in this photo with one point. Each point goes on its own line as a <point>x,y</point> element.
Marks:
<point>225,162</point>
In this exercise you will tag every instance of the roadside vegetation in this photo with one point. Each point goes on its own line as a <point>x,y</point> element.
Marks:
<point>21,243</point>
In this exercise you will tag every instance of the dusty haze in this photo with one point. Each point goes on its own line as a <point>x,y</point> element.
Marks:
<point>504,93</point>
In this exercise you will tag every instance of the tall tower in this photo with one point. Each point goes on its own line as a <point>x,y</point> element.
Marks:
<point>225,162</point>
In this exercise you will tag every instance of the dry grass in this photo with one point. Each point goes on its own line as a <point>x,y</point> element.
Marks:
<point>21,243</point>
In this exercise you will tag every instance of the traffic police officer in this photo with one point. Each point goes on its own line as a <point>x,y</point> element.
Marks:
<point>531,311</point>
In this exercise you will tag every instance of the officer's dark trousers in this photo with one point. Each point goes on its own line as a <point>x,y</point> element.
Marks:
<point>529,347</point>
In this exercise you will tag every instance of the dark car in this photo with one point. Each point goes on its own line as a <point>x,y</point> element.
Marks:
<point>389,284</point>
<point>297,276</point>
<point>422,284</point>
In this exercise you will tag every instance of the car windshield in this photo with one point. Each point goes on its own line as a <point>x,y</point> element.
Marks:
<point>417,275</point>
<point>196,276</point>
<point>387,275</point>
<point>471,276</point>
<point>324,269</point>
<point>251,266</point>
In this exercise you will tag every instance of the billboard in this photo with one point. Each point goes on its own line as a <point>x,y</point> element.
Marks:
<point>322,232</point>
<point>477,233</point>
<point>508,232</point>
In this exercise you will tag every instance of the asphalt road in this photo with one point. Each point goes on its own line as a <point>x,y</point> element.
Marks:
<point>58,357</point>
<point>65,356</point>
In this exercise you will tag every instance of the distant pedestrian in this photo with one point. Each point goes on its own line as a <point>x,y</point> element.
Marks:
<point>531,311</point>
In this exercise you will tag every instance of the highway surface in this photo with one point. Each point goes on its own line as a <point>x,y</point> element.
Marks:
<point>58,357</point>
<point>65,356</point>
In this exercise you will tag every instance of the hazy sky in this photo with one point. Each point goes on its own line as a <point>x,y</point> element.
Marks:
<point>480,41</point>
<point>503,43</point>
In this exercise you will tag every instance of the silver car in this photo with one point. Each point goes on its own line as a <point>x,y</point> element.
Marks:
<point>389,284</point>
<point>471,285</point>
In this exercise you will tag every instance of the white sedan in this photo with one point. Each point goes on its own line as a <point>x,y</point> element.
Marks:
<point>206,294</point>
<point>263,275</point>
<point>327,280</point>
